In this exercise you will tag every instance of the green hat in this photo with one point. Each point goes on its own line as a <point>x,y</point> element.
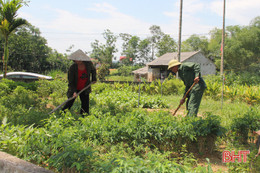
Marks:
<point>173,63</point>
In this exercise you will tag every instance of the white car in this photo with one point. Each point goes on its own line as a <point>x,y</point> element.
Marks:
<point>25,76</point>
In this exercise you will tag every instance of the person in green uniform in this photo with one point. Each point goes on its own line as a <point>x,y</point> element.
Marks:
<point>189,73</point>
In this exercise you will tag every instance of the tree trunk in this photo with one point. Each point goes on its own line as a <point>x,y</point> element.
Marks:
<point>5,58</point>
<point>3,64</point>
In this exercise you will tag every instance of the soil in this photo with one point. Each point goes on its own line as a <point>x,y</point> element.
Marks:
<point>215,161</point>
<point>180,112</point>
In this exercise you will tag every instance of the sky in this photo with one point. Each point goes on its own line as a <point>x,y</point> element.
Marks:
<point>64,23</point>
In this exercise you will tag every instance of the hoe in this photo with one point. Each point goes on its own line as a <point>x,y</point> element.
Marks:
<point>70,99</point>
<point>184,98</point>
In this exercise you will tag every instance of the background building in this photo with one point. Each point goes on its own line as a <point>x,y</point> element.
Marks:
<point>158,69</point>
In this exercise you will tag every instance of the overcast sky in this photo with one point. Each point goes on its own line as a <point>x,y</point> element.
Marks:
<point>79,22</point>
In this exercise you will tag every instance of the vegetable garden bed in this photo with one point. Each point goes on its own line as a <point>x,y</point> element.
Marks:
<point>119,135</point>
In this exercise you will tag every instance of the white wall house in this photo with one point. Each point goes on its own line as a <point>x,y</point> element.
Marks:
<point>157,69</point>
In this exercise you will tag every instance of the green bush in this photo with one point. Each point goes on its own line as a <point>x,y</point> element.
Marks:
<point>17,104</point>
<point>12,84</point>
<point>125,70</point>
<point>45,87</point>
<point>242,126</point>
<point>244,78</point>
<point>76,156</point>
<point>210,125</point>
<point>4,89</point>
<point>100,87</point>
<point>58,74</point>
<point>19,96</point>
<point>103,71</point>
<point>213,87</point>
<point>173,86</point>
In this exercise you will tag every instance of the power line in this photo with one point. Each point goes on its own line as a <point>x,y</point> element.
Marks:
<point>117,34</point>
<point>86,33</point>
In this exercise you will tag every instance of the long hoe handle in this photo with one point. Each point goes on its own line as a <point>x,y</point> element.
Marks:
<point>69,99</point>
<point>184,98</point>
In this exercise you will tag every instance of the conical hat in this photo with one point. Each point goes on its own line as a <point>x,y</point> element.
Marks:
<point>79,55</point>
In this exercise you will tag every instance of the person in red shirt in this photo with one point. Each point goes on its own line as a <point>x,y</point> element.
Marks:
<point>80,75</point>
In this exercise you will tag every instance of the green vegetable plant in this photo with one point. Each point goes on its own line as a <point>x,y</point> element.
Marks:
<point>242,126</point>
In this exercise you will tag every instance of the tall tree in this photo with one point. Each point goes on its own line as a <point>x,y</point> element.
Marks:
<point>166,45</point>
<point>28,50</point>
<point>104,52</point>
<point>242,47</point>
<point>144,48</point>
<point>214,46</point>
<point>157,35</point>
<point>125,37</point>
<point>97,50</point>
<point>57,61</point>
<point>110,47</point>
<point>130,48</point>
<point>196,43</point>
<point>255,22</point>
<point>9,22</point>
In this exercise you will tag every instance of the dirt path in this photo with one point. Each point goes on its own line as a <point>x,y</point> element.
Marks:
<point>215,161</point>
<point>181,112</point>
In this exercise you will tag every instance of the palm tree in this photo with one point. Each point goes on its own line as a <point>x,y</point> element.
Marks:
<point>9,22</point>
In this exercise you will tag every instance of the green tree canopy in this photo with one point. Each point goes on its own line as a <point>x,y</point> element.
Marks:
<point>130,48</point>
<point>104,52</point>
<point>196,43</point>
<point>29,51</point>
<point>166,45</point>
<point>144,49</point>
<point>157,35</point>
<point>242,51</point>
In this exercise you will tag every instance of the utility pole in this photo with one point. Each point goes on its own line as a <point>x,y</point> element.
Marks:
<point>180,28</point>
<point>222,53</point>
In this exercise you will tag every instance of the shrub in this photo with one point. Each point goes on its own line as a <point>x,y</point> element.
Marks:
<point>242,126</point>
<point>20,96</point>
<point>173,86</point>
<point>125,70</point>
<point>103,71</point>
<point>76,156</point>
<point>45,88</point>
<point>11,84</point>
<point>209,125</point>
<point>4,89</point>
<point>247,78</point>
<point>100,87</point>
<point>17,104</point>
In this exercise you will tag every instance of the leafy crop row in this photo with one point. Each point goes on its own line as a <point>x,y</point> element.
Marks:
<point>118,136</point>
<point>64,142</point>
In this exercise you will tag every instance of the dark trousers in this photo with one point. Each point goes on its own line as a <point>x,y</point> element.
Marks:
<point>193,102</point>
<point>84,98</point>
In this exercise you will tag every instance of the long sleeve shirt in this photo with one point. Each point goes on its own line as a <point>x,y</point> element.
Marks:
<point>188,71</point>
<point>73,77</point>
